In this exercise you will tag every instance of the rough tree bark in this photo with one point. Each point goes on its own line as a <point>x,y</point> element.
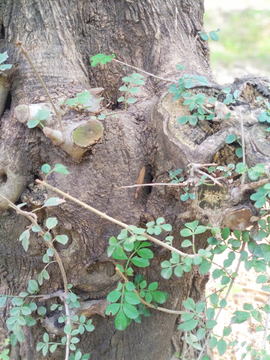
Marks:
<point>60,37</point>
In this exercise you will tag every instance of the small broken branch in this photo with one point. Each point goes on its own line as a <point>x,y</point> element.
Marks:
<point>105,216</point>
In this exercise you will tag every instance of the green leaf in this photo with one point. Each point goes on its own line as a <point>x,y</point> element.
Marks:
<point>226,232</point>
<point>186,243</point>
<point>54,201</point>
<point>112,309</point>
<point>223,303</point>
<point>189,84</point>
<point>210,313</point>
<point>3,57</point>
<point>148,297</point>
<point>225,280</point>
<point>134,90</point>
<point>114,296</point>
<point>212,342</point>
<point>210,324</point>
<point>153,286</point>
<point>138,82</point>
<point>130,286</point>
<point>119,253</point>
<point>230,139</point>
<point>75,340</point>
<point>201,334</point>
<point>47,237</point>
<point>120,99</point>
<point>127,79</point>
<point>200,307</point>
<point>214,299</point>
<point>159,297</point>
<point>32,123</point>
<point>40,346</point>
<point>189,304</point>
<point>42,114</point>
<point>51,223</point>
<point>83,97</point>
<point>3,300</point>
<point>41,310</point>
<point>50,252</point>
<point>240,317</point>
<point>192,225</point>
<point>53,348</point>
<point>227,330</point>
<point>67,329</point>
<point>261,279</point>
<point>178,271</point>
<point>46,168</point>
<point>202,80</point>
<point>239,152</point>
<point>166,273</point>
<point>32,286</point>
<point>217,273</point>
<point>213,35</point>
<point>121,321</point>
<point>130,311</point>
<point>186,232</point>
<point>45,258</point>
<point>184,198</point>
<point>166,227</point>
<point>72,102</point>
<point>165,264</point>
<point>139,262</point>
<point>241,168</point>
<point>204,37</point>
<point>101,59</point>
<point>200,230</point>
<point>46,337</point>
<point>25,310</point>
<point>145,253</point>
<point>5,67</point>
<point>33,306</point>
<point>197,260</point>
<point>45,350</point>
<point>61,169</point>
<point>132,298</point>
<point>188,325</point>
<point>131,100</point>
<point>123,234</point>
<point>205,266</point>
<point>17,301</point>
<point>187,316</point>
<point>183,120</point>
<point>62,239</point>
<point>222,346</point>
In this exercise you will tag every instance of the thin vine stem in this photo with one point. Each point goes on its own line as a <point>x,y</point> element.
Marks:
<point>25,53</point>
<point>145,72</point>
<point>113,220</point>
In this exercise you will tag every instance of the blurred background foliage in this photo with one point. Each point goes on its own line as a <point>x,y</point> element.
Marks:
<point>244,44</point>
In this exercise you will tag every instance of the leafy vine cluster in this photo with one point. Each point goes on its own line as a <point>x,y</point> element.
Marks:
<point>133,297</point>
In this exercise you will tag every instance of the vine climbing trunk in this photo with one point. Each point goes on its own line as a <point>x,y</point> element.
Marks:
<point>60,37</point>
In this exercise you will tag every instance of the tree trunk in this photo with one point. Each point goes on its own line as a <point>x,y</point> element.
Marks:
<point>60,37</point>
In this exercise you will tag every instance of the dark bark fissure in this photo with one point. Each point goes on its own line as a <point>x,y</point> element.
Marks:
<point>60,37</point>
